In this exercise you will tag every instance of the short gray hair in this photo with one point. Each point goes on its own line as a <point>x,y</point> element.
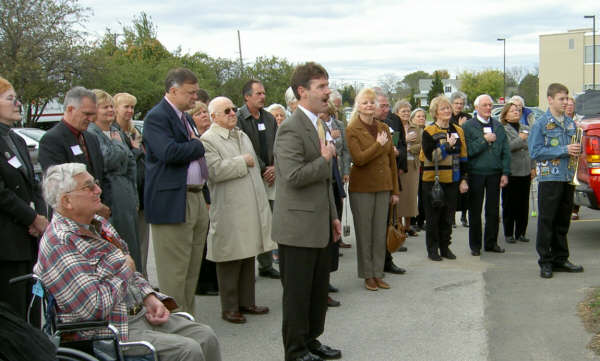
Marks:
<point>379,92</point>
<point>275,106</point>
<point>76,94</point>
<point>335,95</point>
<point>289,96</point>
<point>458,95</point>
<point>401,104</point>
<point>59,180</point>
<point>213,104</point>
<point>519,98</point>
<point>478,99</point>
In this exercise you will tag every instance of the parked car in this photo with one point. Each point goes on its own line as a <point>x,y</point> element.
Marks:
<point>139,125</point>
<point>32,137</point>
<point>587,192</point>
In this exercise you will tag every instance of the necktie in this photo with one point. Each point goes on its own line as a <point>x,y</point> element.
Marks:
<point>81,141</point>
<point>321,130</point>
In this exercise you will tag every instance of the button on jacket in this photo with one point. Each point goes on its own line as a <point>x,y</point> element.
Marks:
<point>548,142</point>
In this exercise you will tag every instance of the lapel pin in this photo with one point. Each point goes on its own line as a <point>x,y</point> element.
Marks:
<point>7,155</point>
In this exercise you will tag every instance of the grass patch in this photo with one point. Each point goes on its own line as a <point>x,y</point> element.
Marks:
<point>589,311</point>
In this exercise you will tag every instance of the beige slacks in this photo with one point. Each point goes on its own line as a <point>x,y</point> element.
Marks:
<point>178,252</point>
<point>236,283</point>
<point>369,211</point>
<point>178,339</point>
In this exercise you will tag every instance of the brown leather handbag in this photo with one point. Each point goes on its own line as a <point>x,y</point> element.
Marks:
<point>395,235</point>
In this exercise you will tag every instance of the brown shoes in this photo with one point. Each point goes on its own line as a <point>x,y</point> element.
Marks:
<point>343,244</point>
<point>381,283</point>
<point>370,284</point>
<point>254,310</point>
<point>233,317</point>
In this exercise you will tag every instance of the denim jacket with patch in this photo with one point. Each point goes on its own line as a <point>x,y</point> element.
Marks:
<point>547,144</point>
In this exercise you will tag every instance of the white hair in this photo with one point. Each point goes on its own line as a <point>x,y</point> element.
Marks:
<point>516,97</point>
<point>275,106</point>
<point>289,96</point>
<point>478,99</point>
<point>59,180</point>
<point>213,104</point>
<point>458,95</point>
<point>335,95</point>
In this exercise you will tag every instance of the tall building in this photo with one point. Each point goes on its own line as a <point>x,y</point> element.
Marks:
<point>567,58</point>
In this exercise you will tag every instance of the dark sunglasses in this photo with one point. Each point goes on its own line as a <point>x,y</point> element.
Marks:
<point>229,110</point>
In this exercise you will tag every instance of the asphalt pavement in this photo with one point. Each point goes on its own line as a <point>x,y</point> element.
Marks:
<point>493,307</point>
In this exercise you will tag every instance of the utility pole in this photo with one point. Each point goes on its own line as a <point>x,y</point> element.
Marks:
<point>593,17</point>
<point>241,58</point>
<point>504,85</point>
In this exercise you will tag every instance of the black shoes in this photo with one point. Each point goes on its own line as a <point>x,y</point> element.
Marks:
<point>270,273</point>
<point>325,352</point>
<point>546,271</point>
<point>475,253</point>
<point>309,357</point>
<point>495,249</point>
<point>447,253</point>
<point>333,289</point>
<point>392,268</point>
<point>333,303</point>
<point>567,266</point>
<point>523,239</point>
<point>402,249</point>
<point>434,257</point>
<point>510,239</point>
<point>464,221</point>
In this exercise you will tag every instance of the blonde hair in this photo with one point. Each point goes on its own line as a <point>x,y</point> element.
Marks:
<point>5,85</point>
<point>413,114</point>
<point>199,106</point>
<point>363,93</point>
<point>103,97</point>
<point>435,104</point>
<point>124,98</point>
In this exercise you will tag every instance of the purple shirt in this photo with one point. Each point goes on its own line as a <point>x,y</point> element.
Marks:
<point>194,172</point>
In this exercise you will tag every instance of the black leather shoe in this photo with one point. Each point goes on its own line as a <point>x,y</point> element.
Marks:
<point>392,268</point>
<point>327,353</point>
<point>567,266</point>
<point>496,249</point>
<point>333,289</point>
<point>435,257</point>
<point>309,356</point>
<point>270,273</point>
<point>464,221</point>
<point>402,249</point>
<point>333,303</point>
<point>448,254</point>
<point>546,271</point>
<point>510,239</point>
<point>523,239</point>
<point>475,253</point>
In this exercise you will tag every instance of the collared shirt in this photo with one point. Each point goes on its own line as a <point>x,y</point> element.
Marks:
<point>87,274</point>
<point>194,171</point>
<point>484,121</point>
<point>312,116</point>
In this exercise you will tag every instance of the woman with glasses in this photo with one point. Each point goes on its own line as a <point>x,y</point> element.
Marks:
<point>120,175</point>
<point>22,209</point>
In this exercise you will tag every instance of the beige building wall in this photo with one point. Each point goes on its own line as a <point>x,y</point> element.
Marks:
<point>562,59</point>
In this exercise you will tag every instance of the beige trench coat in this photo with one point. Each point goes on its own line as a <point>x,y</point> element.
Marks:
<point>240,216</point>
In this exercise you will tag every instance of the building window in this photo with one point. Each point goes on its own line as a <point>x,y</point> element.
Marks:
<point>571,44</point>
<point>448,89</point>
<point>589,86</point>
<point>589,58</point>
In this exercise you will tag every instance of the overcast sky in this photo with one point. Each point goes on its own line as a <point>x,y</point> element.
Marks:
<point>357,40</point>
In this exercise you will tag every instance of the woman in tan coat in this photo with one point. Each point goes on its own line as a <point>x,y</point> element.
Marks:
<point>373,185</point>
<point>240,216</point>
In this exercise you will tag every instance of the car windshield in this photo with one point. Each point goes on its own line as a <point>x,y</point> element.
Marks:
<point>32,133</point>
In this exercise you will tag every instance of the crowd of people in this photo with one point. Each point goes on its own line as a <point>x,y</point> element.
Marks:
<point>214,184</point>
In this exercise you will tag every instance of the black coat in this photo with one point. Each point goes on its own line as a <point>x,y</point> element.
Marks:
<point>395,123</point>
<point>247,123</point>
<point>18,190</point>
<point>55,148</point>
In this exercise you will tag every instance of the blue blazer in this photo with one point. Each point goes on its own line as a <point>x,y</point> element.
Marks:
<point>169,152</point>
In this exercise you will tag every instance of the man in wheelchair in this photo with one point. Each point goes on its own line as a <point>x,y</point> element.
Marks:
<point>85,265</point>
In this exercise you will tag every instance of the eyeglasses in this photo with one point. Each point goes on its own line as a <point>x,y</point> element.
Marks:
<point>229,110</point>
<point>90,186</point>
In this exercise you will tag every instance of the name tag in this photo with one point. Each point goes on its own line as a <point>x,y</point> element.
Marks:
<point>261,127</point>
<point>454,135</point>
<point>76,149</point>
<point>391,130</point>
<point>14,161</point>
<point>487,130</point>
<point>328,137</point>
<point>525,131</point>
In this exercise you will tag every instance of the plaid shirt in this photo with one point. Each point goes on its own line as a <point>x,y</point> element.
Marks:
<point>87,274</point>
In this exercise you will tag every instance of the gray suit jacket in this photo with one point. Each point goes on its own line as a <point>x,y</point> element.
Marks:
<point>341,148</point>
<point>304,204</point>
<point>520,162</point>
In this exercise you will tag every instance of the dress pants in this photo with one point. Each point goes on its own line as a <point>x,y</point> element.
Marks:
<point>178,252</point>
<point>265,259</point>
<point>143,237</point>
<point>236,284</point>
<point>515,206</point>
<point>480,187</point>
<point>178,339</point>
<point>17,295</point>
<point>369,211</point>
<point>438,226</point>
<point>555,202</point>
<point>305,280</point>
<point>207,281</point>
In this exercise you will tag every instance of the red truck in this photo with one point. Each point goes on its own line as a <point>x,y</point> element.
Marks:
<point>587,193</point>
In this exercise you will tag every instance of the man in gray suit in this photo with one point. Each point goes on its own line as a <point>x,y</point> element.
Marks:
<point>304,217</point>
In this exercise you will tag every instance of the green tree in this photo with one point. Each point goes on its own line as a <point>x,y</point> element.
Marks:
<point>412,100</point>
<point>40,49</point>
<point>411,80</point>
<point>442,73</point>
<point>529,89</point>
<point>484,82</point>
<point>437,88</point>
<point>274,73</point>
<point>348,94</point>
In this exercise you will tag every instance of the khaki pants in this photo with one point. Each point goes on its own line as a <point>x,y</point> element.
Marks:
<point>178,252</point>
<point>178,339</point>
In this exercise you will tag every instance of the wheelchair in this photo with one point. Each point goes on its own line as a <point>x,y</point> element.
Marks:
<point>97,348</point>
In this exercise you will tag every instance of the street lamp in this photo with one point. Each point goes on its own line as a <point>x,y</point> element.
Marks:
<point>593,17</point>
<point>503,40</point>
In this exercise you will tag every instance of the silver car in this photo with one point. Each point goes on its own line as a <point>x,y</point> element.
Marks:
<point>32,137</point>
